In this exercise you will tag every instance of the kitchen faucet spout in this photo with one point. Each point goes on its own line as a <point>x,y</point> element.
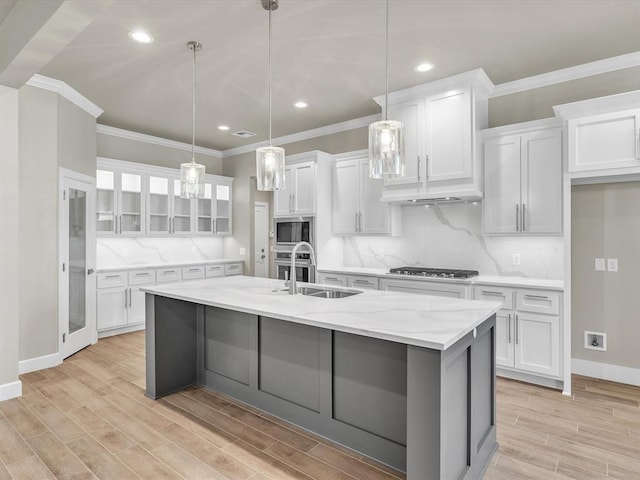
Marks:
<point>292,275</point>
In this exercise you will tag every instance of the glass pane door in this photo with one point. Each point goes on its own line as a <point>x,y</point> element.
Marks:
<point>77,259</point>
<point>158,205</point>
<point>223,213</point>
<point>131,204</point>
<point>204,223</point>
<point>181,210</point>
<point>106,207</point>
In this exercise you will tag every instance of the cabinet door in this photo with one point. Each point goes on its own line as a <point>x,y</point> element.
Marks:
<point>283,199</point>
<point>304,189</point>
<point>222,218</point>
<point>412,115</point>
<point>345,196</point>
<point>541,175</point>
<point>374,215</point>
<point>204,211</point>
<point>105,203</point>
<point>332,279</point>
<point>111,307</point>
<point>131,203</point>
<point>422,287</point>
<point>537,348</point>
<point>504,339</point>
<point>603,141</point>
<point>181,211</point>
<point>158,205</point>
<point>501,205</point>
<point>136,309</point>
<point>448,136</point>
<point>363,281</point>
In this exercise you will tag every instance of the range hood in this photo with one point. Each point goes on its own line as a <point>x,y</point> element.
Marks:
<point>433,199</point>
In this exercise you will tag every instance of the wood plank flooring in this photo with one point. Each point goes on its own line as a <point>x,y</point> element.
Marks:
<point>89,418</point>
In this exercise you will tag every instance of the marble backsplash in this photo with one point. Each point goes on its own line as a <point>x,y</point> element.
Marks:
<point>450,236</point>
<point>123,252</point>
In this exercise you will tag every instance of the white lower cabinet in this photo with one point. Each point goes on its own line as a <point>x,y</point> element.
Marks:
<point>425,287</point>
<point>527,329</point>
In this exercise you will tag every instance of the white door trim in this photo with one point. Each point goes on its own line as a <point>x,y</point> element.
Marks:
<point>90,183</point>
<point>267,252</point>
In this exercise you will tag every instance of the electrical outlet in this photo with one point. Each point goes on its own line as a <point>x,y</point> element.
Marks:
<point>515,259</point>
<point>599,265</point>
<point>380,255</point>
<point>243,251</point>
<point>125,252</point>
<point>612,264</point>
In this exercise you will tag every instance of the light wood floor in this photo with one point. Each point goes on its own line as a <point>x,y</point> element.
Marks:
<point>88,418</point>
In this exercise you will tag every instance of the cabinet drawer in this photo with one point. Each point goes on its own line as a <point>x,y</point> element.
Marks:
<point>333,279</point>
<point>233,269</point>
<point>192,273</point>
<point>490,293</point>
<point>108,280</point>
<point>538,301</point>
<point>142,277</point>
<point>167,275</point>
<point>214,271</point>
<point>362,281</point>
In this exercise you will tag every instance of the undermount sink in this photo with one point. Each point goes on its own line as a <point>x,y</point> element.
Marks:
<point>327,292</point>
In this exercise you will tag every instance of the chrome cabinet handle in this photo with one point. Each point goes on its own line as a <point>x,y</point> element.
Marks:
<point>126,302</point>
<point>366,282</point>
<point>112,276</point>
<point>426,161</point>
<point>524,225</point>
<point>418,169</point>
<point>142,274</point>
<point>129,297</point>
<point>487,292</point>
<point>544,297</point>
<point>517,329</point>
<point>509,322</point>
<point>194,269</point>
<point>360,217</point>
<point>517,218</point>
<point>356,214</point>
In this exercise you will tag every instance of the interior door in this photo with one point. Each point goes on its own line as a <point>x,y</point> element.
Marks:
<point>77,286</point>
<point>261,240</point>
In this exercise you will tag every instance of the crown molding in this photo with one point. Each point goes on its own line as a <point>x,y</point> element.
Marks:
<point>577,72</point>
<point>163,142</point>
<point>599,105</point>
<point>524,127</point>
<point>64,90</point>
<point>297,137</point>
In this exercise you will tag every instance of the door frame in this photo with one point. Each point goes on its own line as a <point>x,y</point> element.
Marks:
<point>63,243</point>
<point>267,252</point>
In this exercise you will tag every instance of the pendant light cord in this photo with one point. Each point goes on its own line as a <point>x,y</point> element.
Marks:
<point>386,60</point>
<point>269,76</point>
<point>193,119</point>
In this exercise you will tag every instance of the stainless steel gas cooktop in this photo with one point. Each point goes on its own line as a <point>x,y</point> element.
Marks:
<point>434,272</point>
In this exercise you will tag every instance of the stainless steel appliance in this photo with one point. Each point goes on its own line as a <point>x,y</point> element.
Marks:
<point>305,272</point>
<point>434,272</point>
<point>289,231</point>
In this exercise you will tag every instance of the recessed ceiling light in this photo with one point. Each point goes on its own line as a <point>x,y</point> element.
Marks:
<point>301,104</point>
<point>223,127</point>
<point>424,67</point>
<point>140,36</point>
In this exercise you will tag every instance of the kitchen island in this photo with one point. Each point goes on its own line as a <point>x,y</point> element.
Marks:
<point>406,379</point>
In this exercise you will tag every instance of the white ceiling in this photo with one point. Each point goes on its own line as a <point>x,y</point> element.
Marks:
<point>327,52</point>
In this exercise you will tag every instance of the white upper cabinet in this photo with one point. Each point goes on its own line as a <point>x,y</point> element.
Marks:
<point>441,121</point>
<point>523,180</point>
<point>213,211</point>
<point>356,205</point>
<point>120,202</point>
<point>298,196</point>
<point>168,213</point>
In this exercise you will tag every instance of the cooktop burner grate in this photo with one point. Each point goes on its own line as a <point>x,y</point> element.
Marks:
<point>434,272</point>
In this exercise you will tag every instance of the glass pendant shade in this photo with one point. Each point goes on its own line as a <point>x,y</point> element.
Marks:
<point>191,180</point>
<point>386,149</point>
<point>270,168</point>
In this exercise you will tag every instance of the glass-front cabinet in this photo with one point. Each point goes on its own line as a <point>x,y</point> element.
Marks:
<point>168,213</point>
<point>120,202</point>
<point>214,209</point>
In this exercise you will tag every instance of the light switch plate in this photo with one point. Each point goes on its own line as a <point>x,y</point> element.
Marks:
<point>516,259</point>
<point>599,264</point>
<point>612,264</point>
<point>243,251</point>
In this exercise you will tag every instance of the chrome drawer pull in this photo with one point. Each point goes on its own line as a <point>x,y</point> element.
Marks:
<point>194,269</point>
<point>142,274</point>
<point>498,294</point>
<point>112,276</point>
<point>543,297</point>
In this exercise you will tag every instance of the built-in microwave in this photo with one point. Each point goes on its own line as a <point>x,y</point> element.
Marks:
<point>289,231</point>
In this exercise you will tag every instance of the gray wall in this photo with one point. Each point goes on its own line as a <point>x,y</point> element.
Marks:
<point>606,224</point>
<point>9,241</point>
<point>141,152</point>
<point>53,133</point>
<point>243,169</point>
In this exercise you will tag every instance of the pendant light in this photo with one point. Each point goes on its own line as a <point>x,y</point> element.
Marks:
<point>192,173</point>
<point>270,159</point>
<point>386,137</point>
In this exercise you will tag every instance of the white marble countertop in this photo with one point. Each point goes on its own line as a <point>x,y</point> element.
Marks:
<point>507,281</point>
<point>422,320</point>
<point>142,266</point>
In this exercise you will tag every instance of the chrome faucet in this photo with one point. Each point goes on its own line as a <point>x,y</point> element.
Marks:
<point>292,276</point>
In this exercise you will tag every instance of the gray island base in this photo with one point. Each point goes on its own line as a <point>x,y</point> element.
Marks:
<point>427,411</point>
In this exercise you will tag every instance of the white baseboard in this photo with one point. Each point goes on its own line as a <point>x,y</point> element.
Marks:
<point>39,363</point>
<point>10,390</point>
<point>606,371</point>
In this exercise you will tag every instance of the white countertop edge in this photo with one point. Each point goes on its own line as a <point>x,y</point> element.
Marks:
<point>509,281</point>
<point>491,309</point>
<point>144,266</point>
